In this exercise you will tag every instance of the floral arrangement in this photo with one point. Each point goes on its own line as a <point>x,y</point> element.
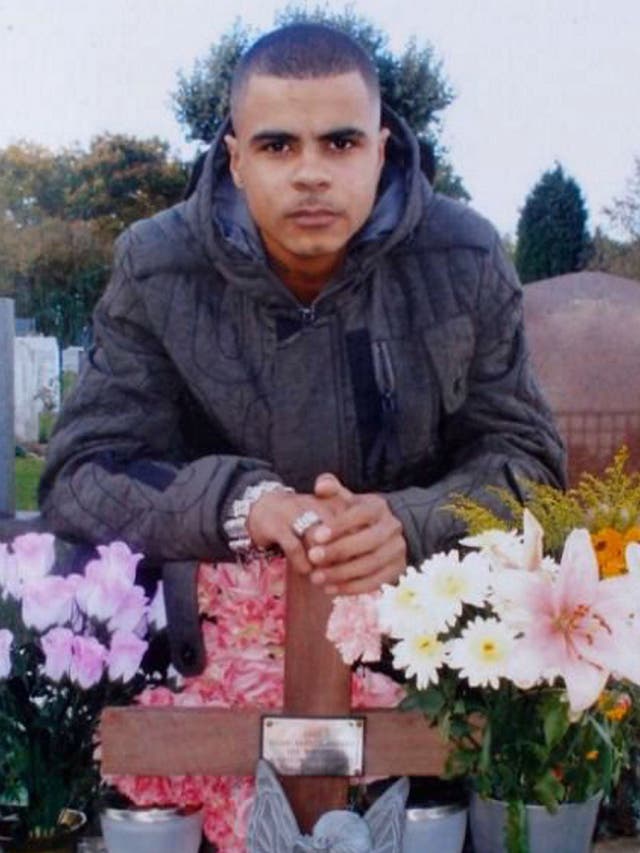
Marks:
<point>524,655</point>
<point>68,647</point>
<point>243,624</point>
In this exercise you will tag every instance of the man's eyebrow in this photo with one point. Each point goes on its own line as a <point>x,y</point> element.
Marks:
<point>274,135</point>
<point>271,136</point>
<point>353,132</point>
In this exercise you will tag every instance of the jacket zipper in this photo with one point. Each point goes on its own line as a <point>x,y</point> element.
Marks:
<point>384,376</point>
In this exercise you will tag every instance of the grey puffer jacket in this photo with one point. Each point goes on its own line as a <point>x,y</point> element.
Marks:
<point>408,375</point>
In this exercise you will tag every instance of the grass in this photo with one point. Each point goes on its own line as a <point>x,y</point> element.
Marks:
<point>28,471</point>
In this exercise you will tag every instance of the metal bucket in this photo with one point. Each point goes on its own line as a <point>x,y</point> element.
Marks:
<point>438,828</point>
<point>152,830</point>
<point>569,830</point>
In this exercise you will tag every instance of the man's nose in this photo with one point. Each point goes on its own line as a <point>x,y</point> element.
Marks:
<point>311,170</point>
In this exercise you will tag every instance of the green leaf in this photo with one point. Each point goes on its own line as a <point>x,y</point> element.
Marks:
<point>549,791</point>
<point>429,701</point>
<point>515,830</point>
<point>556,723</point>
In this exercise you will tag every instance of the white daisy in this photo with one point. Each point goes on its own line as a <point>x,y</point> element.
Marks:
<point>420,655</point>
<point>449,583</point>
<point>402,607</point>
<point>503,550</point>
<point>482,652</point>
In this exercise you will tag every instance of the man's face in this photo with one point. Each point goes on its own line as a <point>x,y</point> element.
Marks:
<point>308,156</point>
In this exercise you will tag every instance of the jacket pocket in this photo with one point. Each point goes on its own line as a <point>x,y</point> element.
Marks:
<point>450,346</point>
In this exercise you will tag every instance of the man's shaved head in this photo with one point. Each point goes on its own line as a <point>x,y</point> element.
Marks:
<point>303,51</point>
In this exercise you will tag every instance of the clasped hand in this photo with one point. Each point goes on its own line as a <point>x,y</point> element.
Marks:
<point>356,547</point>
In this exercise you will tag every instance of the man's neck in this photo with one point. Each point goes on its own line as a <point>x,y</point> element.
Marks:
<point>308,278</point>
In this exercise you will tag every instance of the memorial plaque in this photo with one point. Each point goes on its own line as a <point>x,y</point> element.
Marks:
<point>314,746</point>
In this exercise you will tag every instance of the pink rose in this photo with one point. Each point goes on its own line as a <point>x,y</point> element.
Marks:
<point>4,569</point>
<point>46,602</point>
<point>88,657</point>
<point>116,562</point>
<point>131,610</point>
<point>57,645</point>
<point>125,655</point>
<point>107,581</point>
<point>6,641</point>
<point>34,555</point>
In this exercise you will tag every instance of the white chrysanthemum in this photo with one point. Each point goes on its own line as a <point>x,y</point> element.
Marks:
<point>403,607</point>
<point>450,583</point>
<point>503,549</point>
<point>420,655</point>
<point>482,652</point>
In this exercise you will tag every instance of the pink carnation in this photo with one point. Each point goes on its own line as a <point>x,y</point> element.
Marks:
<point>158,697</point>
<point>374,690</point>
<point>207,589</point>
<point>354,628</point>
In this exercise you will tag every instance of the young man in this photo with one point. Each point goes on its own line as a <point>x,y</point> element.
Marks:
<point>313,352</point>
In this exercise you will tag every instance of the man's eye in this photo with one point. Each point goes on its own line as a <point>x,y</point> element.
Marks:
<point>342,143</point>
<point>276,147</point>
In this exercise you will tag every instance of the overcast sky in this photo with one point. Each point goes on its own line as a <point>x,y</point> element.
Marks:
<point>536,80</point>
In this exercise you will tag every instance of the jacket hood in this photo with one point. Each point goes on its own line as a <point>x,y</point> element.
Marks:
<point>218,215</point>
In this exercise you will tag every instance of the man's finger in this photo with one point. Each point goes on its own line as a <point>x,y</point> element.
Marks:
<point>371,583</point>
<point>345,548</point>
<point>366,565</point>
<point>360,514</point>
<point>328,485</point>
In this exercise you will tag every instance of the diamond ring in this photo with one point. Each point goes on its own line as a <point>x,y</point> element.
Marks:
<point>303,522</point>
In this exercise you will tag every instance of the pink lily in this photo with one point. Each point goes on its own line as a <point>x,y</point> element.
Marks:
<point>575,625</point>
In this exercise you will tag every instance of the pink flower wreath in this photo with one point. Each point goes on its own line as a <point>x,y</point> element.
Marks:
<point>244,640</point>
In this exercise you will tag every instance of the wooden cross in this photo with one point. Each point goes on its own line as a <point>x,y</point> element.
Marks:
<point>213,741</point>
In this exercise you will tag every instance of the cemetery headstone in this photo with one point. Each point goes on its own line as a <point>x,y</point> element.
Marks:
<point>7,446</point>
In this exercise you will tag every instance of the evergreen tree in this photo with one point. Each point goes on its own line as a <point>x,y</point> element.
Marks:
<point>552,230</point>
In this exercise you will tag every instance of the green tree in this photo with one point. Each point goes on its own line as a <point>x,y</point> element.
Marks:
<point>552,236</point>
<point>412,83</point>
<point>59,213</point>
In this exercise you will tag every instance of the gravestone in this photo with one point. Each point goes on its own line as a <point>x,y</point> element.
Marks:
<point>36,383</point>
<point>584,335</point>
<point>72,359</point>
<point>7,444</point>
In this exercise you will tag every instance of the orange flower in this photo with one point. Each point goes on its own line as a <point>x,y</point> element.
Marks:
<point>609,546</point>
<point>632,535</point>
<point>592,755</point>
<point>615,706</point>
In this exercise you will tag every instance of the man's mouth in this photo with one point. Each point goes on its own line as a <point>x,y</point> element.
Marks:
<point>313,217</point>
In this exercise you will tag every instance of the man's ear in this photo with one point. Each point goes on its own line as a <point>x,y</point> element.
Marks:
<point>234,158</point>
<point>383,136</point>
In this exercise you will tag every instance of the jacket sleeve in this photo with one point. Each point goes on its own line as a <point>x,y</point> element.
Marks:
<point>497,428</point>
<point>116,468</point>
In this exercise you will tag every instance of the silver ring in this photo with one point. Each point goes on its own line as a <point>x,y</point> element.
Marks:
<point>303,522</point>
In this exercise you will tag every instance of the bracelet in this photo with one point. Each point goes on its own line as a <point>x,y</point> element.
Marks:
<point>235,527</point>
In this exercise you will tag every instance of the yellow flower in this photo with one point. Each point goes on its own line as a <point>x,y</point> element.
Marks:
<point>592,755</point>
